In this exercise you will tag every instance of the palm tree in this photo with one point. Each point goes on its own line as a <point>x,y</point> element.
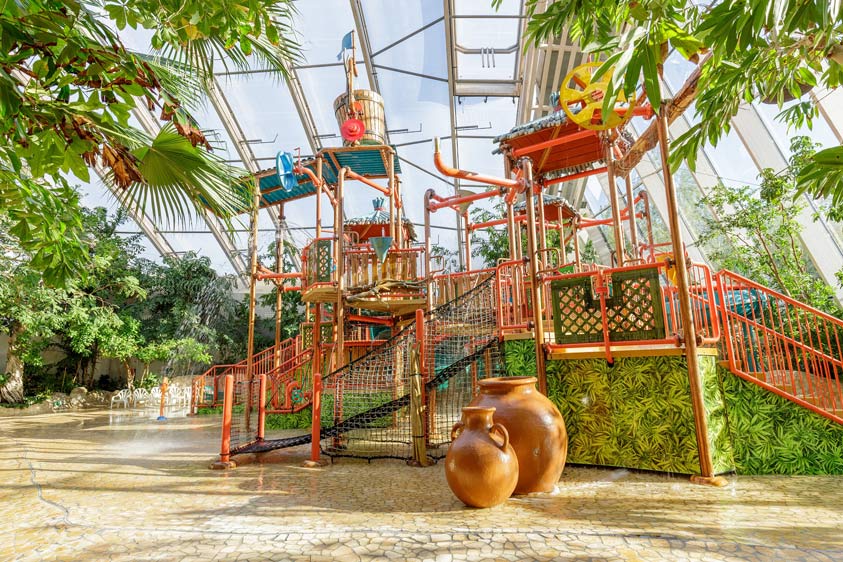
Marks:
<point>67,89</point>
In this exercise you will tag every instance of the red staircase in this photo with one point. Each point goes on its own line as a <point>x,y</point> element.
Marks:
<point>782,345</point>
<point>209,386</point>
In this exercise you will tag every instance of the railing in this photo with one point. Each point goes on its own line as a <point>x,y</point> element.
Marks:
<point>208,387</point>
<point>514,310</point>
<point>446,287</point>
<point>363,269</point>
<point>782,345</point>
<point>610,306</point>
<point>289,388</point>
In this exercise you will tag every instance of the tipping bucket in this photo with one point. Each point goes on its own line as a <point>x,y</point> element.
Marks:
<point>381,245</point>
<point>373,117</point>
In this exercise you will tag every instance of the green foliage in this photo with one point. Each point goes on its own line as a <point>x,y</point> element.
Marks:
<point>520,358</point>
<point>772,435</point>
<point>757,49</point>
<point>635,414</point>
<point>67,89</point>
<point>298,420</point>
<point>755,232</point>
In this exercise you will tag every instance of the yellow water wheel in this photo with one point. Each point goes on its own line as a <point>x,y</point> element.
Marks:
<point>582,99</point>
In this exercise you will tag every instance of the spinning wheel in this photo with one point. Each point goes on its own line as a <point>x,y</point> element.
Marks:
<point>582,99</point>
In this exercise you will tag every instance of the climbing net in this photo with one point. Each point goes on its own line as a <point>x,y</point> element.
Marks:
<point>244,415</point>
<point>366,404</point>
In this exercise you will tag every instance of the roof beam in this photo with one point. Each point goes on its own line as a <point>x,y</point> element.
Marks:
<point>451,64</point>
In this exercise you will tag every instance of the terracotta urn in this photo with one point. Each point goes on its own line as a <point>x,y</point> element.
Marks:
<point>536,429</point>
<point>480,465</point>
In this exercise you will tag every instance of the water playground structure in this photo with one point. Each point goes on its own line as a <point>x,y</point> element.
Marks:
<point>655,361</point>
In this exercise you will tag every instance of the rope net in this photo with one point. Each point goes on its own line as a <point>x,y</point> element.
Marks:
<point>244,416</point>
<point>366,403</point>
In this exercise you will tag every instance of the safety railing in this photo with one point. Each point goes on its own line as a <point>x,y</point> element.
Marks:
<point>514,309</point>
<point>208,388</point>
<point>445,287</point>
<point>289,388</point>
<point>363,269</point>
<point>629,305</point>
<point>783,345</point>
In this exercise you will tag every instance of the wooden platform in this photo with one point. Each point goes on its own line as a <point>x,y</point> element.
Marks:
<point>320,293</point>
<point>643,350</point>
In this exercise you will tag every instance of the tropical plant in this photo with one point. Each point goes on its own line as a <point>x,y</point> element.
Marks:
<point>747,50</point>
<point>68,86</point>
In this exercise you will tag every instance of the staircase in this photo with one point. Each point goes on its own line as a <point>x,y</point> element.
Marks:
<point>208,387</point>
<point>782,345</point>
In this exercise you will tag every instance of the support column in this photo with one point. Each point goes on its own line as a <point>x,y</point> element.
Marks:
<point>279,286</point>
<point>633,229</point>
<point>542,226</point>
<point>467,240</point>
<point>535,288</point>
<point>428,273</point>
<point>613,197</point>
<point>689,337</point>
<point>316,400</point>
<point>318,198</point>
<point>390,174</point>
<point>339,244</point>
<point>575,230</point>
<point>253,270</point>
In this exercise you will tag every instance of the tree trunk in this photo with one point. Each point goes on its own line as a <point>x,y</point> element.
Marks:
<point>130,375</point>
<point>12,389</point>
<point>93,367</point>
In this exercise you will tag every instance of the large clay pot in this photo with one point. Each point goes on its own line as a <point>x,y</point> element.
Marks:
<point>536,429</point>
<point>480,466</point>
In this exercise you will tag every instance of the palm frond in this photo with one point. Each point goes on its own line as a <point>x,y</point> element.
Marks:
<point>179,178</point>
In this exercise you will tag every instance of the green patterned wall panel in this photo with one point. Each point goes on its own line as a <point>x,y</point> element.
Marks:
<point>772,435</point>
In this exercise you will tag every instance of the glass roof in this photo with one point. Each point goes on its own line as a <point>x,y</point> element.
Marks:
<point>408,47</point>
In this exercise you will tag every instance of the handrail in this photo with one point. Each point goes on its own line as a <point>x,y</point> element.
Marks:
<point>783,345</point>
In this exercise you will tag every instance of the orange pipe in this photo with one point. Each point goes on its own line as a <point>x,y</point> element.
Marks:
<point>355,176</point>
<point>455,201</point>
<point>261,406</point>
<point>298,169</point>
<point>464,174</point>
<point>227,407</point>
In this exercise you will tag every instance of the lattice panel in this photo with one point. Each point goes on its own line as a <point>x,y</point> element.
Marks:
<point>307,333</point>
<point>635,310</point>
<point>576,311</point>
<point>320,263</point>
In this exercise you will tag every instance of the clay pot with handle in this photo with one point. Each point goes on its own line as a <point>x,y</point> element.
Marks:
<point>536,429</point>
<point>480,465</point>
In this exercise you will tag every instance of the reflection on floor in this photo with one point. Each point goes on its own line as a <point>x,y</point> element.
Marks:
<point>120,486</point>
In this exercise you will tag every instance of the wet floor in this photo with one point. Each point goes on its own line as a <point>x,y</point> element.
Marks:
<point>96,485</point>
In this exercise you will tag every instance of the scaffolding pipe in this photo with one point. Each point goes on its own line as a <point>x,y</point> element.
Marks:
<point>535,287</point>
<point>464,174</point>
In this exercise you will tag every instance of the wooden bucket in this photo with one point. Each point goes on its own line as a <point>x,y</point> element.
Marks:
<point>373,115</point>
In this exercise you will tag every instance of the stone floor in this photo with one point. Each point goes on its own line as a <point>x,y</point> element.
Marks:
<point>98,486</point>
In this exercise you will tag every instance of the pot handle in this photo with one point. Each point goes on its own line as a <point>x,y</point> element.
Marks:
<point>503,433</point>
<point>456,430</point>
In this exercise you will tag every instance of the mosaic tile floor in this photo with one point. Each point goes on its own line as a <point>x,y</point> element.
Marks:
<point>98,486</point>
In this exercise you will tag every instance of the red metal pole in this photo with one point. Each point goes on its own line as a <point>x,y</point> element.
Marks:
<point>261,406</point>
<point>316,401</point>
<point>227,407</point>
